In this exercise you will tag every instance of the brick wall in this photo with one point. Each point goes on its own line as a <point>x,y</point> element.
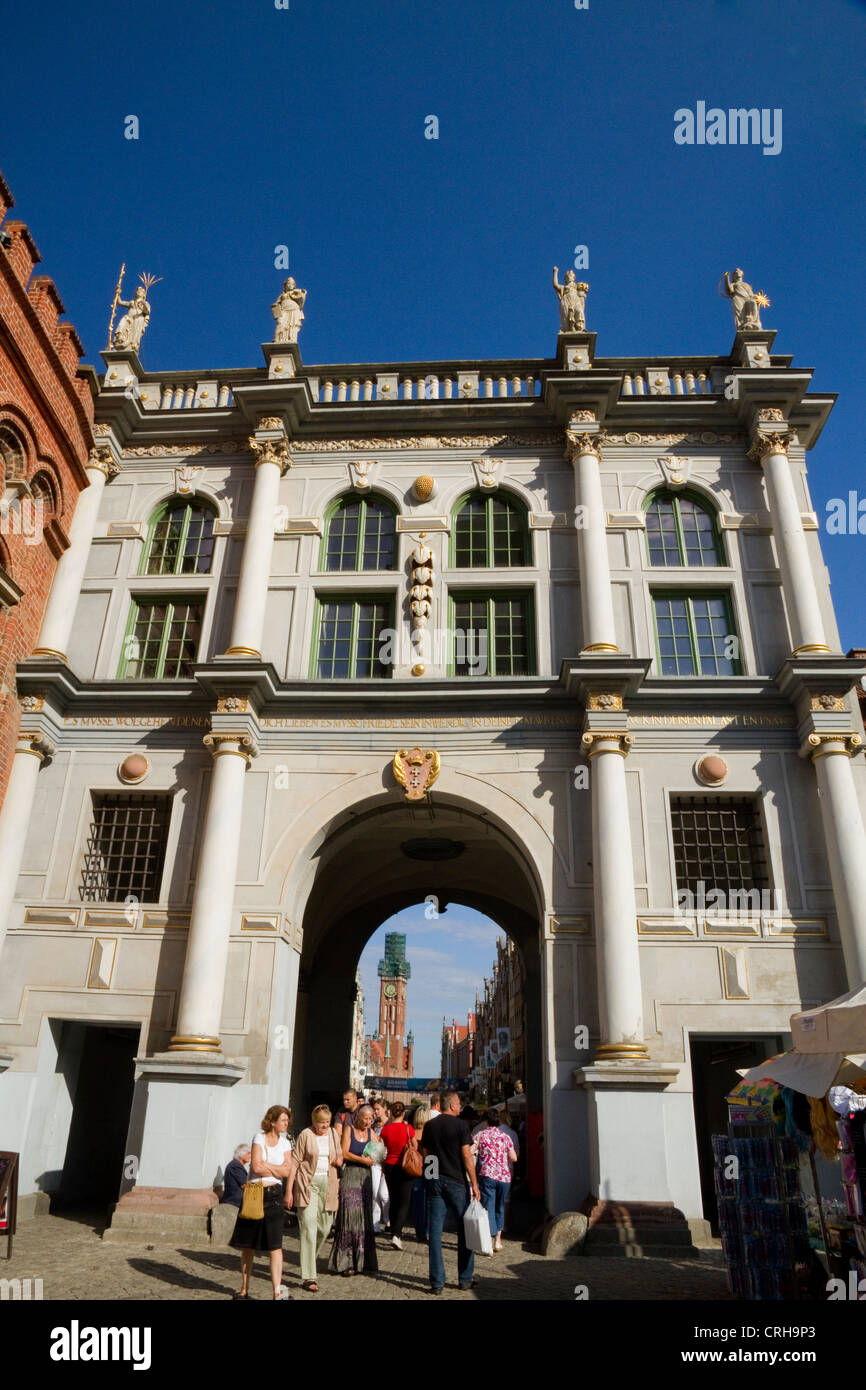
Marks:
<point>46,411</point>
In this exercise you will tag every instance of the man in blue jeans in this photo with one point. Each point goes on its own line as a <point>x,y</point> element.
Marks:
<point>446,1145</point>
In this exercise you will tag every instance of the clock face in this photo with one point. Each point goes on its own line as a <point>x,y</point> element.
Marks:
<point>390,991</point>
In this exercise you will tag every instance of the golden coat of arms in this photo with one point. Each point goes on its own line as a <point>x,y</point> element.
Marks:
<point>416,771</point>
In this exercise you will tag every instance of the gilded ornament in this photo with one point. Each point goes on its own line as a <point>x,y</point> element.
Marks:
<point>605,699</point>
<point>32,703</point>
<point>270,422</point>
<point>416,771</point>
<point>766,444</point>
<point>827,702</point>
<point>423,487</point>
<point>232,704</point>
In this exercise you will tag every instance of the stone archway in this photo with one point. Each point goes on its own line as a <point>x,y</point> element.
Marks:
<point>368,867</point>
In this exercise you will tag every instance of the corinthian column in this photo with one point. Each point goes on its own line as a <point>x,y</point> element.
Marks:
<point>30,753</point>
<point>798,580</point>
<point>272,460</point>
<point>845,841</point>
<point>66,586</point>
<point>617,952</point>
<point>204,971</point>
<point>599,632</point>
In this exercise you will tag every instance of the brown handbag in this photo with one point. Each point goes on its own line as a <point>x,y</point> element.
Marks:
<point>410,1159</point>
<point>253,1205</point>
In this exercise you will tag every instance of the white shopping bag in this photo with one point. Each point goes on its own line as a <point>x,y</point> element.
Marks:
<point>476,1228</point>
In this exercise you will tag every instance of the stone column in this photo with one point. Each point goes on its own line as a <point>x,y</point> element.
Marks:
<point>204,971</point>
<point>272,460</point>
<point>798,580</point>
<point>616,943</point>
<point>596,602</point>
<point>66,585</point>
<point>30,753</point>
<point>845,841</point>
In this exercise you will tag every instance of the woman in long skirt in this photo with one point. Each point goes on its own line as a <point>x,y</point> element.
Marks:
<point>354,1248</point>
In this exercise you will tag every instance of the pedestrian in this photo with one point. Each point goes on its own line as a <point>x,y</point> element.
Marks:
<point>235,1176</point>
<point>397,1136</point>
<point>381,1195</point>
<point>270,1166</point>
<point>471,1116</point>
<point>495,1153</point>
<point>419,1188</point>
<point>354,1248</point>
<point>314,1189</point>
<point>435,1104</point>
<point>350,1105</point>
<point>447,1142</point>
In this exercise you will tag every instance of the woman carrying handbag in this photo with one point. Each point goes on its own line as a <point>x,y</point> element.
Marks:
<point>403,1164</point>
<point>261,1219</point>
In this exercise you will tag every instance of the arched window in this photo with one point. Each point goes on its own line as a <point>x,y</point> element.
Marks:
<point>44,490</point>
<point>180,539</point>
<point>360,534</point>
<point>681,530</point>
<point>13,458</point>
<point>489,532</point>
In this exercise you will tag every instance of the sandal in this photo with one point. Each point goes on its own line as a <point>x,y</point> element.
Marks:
<point>310,1285</point>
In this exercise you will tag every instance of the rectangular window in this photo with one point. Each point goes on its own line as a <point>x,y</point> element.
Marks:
<point>125,852</point>
<point>718,841</point>
<point>492,634</point>
<point>352,638</point>
<point>162,638</point>
<point>695,635</point>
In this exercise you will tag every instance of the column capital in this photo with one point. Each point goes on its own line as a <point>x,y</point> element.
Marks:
<point>271,451</point>
<point>592,738</point>
<point>37,743</point>
<point>101,459</point>
<point>583,443</point>
<point>849,744</point>
<point>236,744</point>
<point>769,442</point>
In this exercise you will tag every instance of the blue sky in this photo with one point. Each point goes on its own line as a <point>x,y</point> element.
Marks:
<point>449,956</point>
<point>305,126</point>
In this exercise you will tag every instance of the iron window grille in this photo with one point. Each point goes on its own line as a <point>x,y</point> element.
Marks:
<point>162,638</point>
<point>681,531</point>
<point>489,532</point>
<point>181,539</point>
<point>125,852</point>
<point>695,634</point>
<point>351,634</point>
<point>718,842</point>
<point>492,634</point>
<point>361,534</point>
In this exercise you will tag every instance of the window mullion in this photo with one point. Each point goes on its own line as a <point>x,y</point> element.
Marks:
<point>681,535</point>
<point>163,644</point>
<point>693,635</point>
<point>184,535</point>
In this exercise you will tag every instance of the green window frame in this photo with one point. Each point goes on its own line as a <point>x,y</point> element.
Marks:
<point>691,632</point>
<point>162,638</point>
<point>489,532</point>
<point>509,615</point>
<point>180,538</point>
<point>360,535</point>
<point>681,529</point>
<point>347,642</point>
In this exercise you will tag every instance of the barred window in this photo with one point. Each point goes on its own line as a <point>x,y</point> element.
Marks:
<point>719,842</point>
<point>125,851</point>
<point>360,535</point>
<point>181,539</point>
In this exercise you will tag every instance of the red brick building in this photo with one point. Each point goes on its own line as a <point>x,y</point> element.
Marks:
<point>458,1048</point>
<point>46,417</point>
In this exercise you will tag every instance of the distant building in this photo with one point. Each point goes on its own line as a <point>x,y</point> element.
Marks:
<point>458,1048</point>
<point>391,1056</point>
<point>500,1041</point>
<point>358,1060</point>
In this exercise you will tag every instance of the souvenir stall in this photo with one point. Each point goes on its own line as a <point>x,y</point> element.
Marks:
<point>794,1120</point>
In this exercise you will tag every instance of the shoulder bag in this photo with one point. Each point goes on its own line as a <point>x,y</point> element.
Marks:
<point>410,1159</point>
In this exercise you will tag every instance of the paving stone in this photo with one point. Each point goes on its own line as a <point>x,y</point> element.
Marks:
<point>67,1254</point>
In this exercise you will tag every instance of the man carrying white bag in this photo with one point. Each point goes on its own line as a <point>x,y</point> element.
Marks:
<point>476,1227</point>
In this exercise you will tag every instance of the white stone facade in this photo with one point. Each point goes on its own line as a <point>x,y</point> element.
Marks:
<point>286,830</point>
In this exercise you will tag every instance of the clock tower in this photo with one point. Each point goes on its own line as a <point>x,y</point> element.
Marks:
<point>394,1054</point>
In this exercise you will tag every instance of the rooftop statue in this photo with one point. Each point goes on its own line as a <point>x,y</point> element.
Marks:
<point>744,300</point>
<point>572,298</point>
<point>288,311</point>
<point>130,330</point>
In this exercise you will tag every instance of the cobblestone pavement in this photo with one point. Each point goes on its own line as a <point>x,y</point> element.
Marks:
<point>67,1254</point>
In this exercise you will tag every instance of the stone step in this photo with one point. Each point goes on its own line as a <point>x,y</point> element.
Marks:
<point>642,1235</point>
<point>636,1251</point>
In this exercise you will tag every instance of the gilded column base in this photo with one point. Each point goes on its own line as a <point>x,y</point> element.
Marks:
<point>50,651</point>
<point>195,1044</point>
<point>627,1052</point>
<point>600,647</point>
<point>242,651</point>
<point>810,647</point>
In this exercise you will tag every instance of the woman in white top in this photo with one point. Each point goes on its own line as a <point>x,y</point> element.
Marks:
<point>270,1165</point>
